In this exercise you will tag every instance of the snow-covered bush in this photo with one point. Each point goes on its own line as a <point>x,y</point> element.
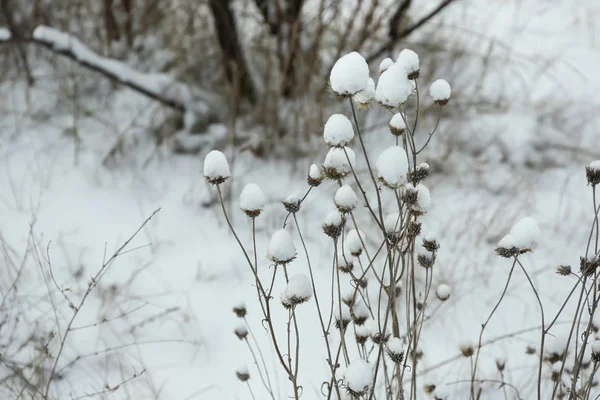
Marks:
<point>386,287</point>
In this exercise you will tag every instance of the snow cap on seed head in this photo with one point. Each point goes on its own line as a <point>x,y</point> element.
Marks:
<point>358,377</point>
<point>345,199</point>
<point>252,200</point>
<point>440,92</point>
<point>592,173</point>
<point>315,176</point>
<point>392,167</point>
<point>410,61</point>
<point>333,224</point>
<point>393,87</point>
<point>397,125</point>
<point>216,168</point>
<point>281,249</point>
<point>336,164</point>
<point>353,243</point>
<point>385,64</point>
<point>242,373</point>
<point>366,96</point>
<point>338,131</point>
<point>297,291</point>
<point>241,331</point>
<point>349,75</point>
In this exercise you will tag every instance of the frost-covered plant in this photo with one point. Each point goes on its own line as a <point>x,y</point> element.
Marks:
<point>376,306</point>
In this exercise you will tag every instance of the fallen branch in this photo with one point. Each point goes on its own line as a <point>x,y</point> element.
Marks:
<point>157,86</point>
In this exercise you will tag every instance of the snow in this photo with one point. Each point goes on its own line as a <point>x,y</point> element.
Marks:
<point>345,198</point>
<point>397,124</point>
<point>362,330</point>
<point>241,330</point>
<point>443,291</point>
<point>252,198</point>
<point>161,85</point>
<point>440,90</point>
<point>385,64</point>
<point>242,369</point>
<point>292,198</point>
<point>333,218</point>
<point>360,310</point>
<point>392,223</point>
<point>281,248</point>
<point>423,199</point>
<point>216,166</point>
<point>596,347</point>
<point>508,242</point>
<point>366,96</point>
<point>314,172</point>
<point>526,234</point>
<point>595,165</point>
<point>337,161</point>
<point>352,242</point>
<point>393,87</point>
<point>409,61</point>
<point>395,345</point>
<point>392,167</point>
<point>349,75</point>
<point>338,131</point>
<point>299,288</point>
<point>5,34</point>
<point>358,376</point>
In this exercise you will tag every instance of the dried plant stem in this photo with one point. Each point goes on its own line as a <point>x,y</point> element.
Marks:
<point>485,324</point>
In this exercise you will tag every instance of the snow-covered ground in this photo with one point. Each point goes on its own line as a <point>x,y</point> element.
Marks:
<point>60,202</point>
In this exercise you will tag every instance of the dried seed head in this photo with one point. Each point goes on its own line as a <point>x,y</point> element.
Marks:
<point>425,258</point>
<point>410,195</point>
<point>375,333</point>
<point>292,203</point>
<point>346,265</point>
<point>397,125</point>
<point>242,373</point>
<point>361,333</point>
<point>216,168</point>
<point>240,309</point>
<point>297,291</point>
<point>395,350</point>
<point>315,176</point>
<point>589,265</point>
<point>530,350</point>
<point>500,364</point>
<point>360,313</point>
<point>333,225</point>
<point>564,270</point>
<point>252,200</point>
<point>345,199</point>
<point>443,292</point>
<point>596,351</point>
<point>341,322</point>
<point>466,349</point>
<point>281,249</point>
<point>430,242</point>
<point>555,374</point>
<point>241,331</point>
<point>507,247</point>
<point>420,173</point>
<point>413,228</point>
<point>429,388</point>
<point>592,173</point>
<point>349,296</point>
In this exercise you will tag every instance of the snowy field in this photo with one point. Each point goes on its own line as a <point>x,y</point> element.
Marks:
<point>169,294</point>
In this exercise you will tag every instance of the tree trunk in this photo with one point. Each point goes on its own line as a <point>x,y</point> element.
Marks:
<point>236,70</point>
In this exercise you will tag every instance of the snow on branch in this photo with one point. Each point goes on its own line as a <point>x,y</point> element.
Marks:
<point>160,87</point>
